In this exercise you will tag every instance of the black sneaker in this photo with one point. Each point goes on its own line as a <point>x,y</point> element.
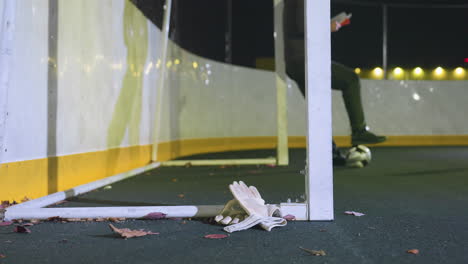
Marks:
<point>338,158</point>
<point>365,137</point>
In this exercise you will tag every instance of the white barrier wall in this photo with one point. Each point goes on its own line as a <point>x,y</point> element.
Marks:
<point>86,85</point>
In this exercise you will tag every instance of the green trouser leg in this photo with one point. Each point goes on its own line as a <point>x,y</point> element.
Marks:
<point>343,79</point>
<point>347,81</point>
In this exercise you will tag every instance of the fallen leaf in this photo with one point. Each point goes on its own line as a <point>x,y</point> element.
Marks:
<point>271,165</point>
<point>413,251</point>
<point>176,218</point>
<point>174,180</point>
<point>353,213</point>
<point>216,236</point>
<point>188,165</point>
<point>89,219</point>
<point>21,229</point>
<point>74,220</point>
<point>314,252</point>
<point>108,187</point>
<point>100,219</point>
<point>113,219</point>
<point>181,195</point>
<point>28,224</point>
<point>55,219</point>
<point>25,199</point>
<point>35,221</point>
<point>289,217</point>
<point>155,216</point>
<point>2,256</point>
<point>128,233</point>
<point>5,223</point>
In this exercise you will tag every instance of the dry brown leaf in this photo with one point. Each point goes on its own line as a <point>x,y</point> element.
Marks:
<point>56,219</point>
<point>216,236</point>
<point>35,221</point>
<point>188,165</point>
<point>72,219</point>
<point>113,219</point>
<point>413,251</point>
<point>25,199</point>
<point>181,195</point>
<point>89,219</point>
<point>100,219</point>
<point>314,252</point>
<point>128,233</point>
<point>174,180</point>
<point>21,229</point>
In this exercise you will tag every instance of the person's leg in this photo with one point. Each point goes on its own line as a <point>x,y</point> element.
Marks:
<point>347,81</point>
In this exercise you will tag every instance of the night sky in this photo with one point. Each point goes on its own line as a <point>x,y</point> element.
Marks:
<point>422,36</point>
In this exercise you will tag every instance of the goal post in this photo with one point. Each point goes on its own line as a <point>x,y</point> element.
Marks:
<point>282,154</point>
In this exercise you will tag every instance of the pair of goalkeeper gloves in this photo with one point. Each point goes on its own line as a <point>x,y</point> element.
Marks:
<point>248,209</point>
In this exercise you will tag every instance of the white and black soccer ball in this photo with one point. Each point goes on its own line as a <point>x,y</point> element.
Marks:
<point>358,156</point>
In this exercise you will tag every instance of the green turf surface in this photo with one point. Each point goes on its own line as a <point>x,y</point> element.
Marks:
<point>412,198</point>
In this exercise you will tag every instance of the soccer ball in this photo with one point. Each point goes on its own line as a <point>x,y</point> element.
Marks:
<point>358,156</point>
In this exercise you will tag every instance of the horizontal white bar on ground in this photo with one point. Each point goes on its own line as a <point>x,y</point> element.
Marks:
<point>107,212</point>
<point>60,196</point>
<point>298,210</point>
<point>219,162</point>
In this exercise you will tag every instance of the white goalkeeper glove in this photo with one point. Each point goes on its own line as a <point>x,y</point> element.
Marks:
<point>268,216</point>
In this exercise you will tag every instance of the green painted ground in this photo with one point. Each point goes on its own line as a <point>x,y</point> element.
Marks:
<point>412,198</point>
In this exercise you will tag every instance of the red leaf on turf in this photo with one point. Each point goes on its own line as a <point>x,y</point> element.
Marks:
<point>271,165</point>
<point>155,216</point>
<point>216,236</point>
<point>128,233</point>
<point>2,256</point>
<point>413,251</point>
<point>289,217</point>
<point>21,229</point>
<point>5,223</point>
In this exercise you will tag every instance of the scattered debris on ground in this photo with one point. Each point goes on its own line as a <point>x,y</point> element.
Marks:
<point>21,229</point>
<point>353,213</point>
<point>413,251</point>
<point>216,236</point>
<point>314,252</point>
<point>155,216</point>
<point>128,233</point>
<point>5,223</point>
<point>289,217</point>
